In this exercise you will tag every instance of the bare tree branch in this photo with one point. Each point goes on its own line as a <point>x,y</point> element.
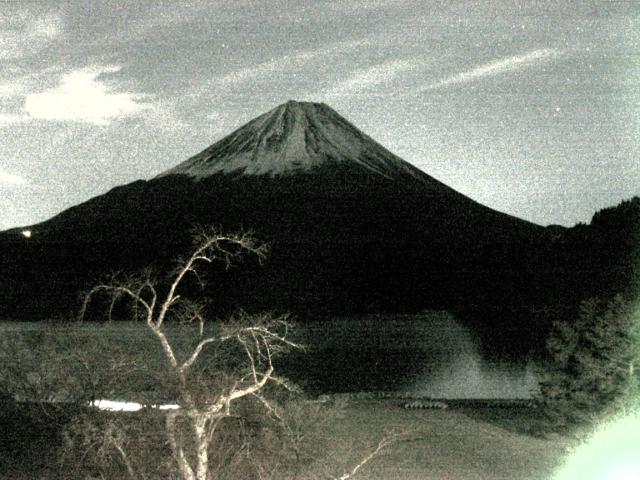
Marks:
<point>383,444</point>
<point>196,352</point>
<point>259,336</point>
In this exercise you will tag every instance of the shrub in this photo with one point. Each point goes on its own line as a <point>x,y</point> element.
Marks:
<point>591,363</point>
<point>250,445</point>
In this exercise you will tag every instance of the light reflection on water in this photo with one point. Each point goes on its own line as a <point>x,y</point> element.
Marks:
<point>466,373</point>
<point>122,406</point>
<point>423,355</point>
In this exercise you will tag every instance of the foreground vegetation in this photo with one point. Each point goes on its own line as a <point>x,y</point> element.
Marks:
<point>592,364</point>
<point>457,444</point>
<point>233,416</point>
<point>227,418</point>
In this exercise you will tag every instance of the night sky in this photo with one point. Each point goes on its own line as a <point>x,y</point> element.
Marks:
<point>531,108</point>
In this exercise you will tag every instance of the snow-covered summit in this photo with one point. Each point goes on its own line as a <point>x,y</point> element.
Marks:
<point>294,137</point>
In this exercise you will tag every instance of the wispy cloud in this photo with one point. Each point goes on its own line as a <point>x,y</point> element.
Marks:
<point>357,6</point>
<point>363,80</point>
<point>288,62</point>
<point>23,32</point>
<point>9,178</point>
<point>262,69</point>
<point>497,67</point>
<point>82,96</point>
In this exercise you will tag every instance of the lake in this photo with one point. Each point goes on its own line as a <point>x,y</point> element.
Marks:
<point>428,355</point>
<point>431,354</point>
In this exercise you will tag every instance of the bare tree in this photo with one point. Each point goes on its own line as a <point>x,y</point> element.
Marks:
<point>211,378</point>
<point>259,338</point>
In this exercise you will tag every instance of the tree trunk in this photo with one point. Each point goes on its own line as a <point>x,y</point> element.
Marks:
<point>186,472</point>
<point>202,447</point>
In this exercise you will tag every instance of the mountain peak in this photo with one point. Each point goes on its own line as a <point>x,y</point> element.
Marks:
<point>296,104</point>
<point>294,137</point>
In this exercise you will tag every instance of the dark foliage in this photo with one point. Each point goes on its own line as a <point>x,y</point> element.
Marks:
<point>106,444</point>
<point>591,364</point>
<point>30,434</point>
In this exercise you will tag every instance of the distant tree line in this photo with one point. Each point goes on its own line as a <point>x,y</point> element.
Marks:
<point>591,351</point>
<point>596,260</point>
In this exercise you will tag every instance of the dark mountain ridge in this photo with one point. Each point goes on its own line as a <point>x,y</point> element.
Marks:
<point>351,227</point>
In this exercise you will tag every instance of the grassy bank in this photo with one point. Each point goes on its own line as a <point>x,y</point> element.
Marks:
<point>458,444</point>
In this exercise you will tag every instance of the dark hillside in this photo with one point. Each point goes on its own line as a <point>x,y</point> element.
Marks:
<point>351,228</point>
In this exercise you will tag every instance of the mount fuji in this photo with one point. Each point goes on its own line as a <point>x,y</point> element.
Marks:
<point>351,228</point>
<point>296,137</point>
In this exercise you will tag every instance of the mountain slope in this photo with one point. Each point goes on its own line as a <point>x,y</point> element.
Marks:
<point>292,138</point>
<point>351,226</point>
